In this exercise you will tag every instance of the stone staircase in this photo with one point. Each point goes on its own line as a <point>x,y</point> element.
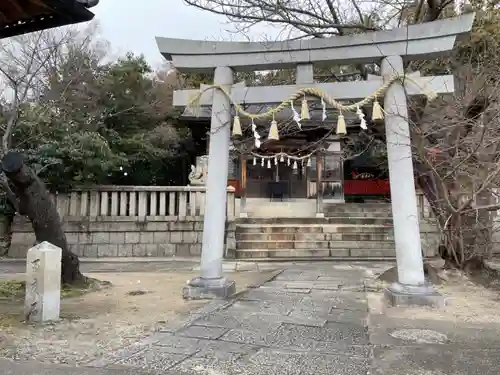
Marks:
<point>349,230</point>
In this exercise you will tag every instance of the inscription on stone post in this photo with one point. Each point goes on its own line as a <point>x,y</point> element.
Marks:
<point>43,283</point>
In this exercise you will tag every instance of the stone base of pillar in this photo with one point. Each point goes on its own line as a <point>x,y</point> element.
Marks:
<point>243,215</point>
<point>200,288</point>
<point>410,295</point>
<point>320,215</point>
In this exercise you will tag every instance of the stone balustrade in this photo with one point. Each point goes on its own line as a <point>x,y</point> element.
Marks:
<point>112,221</point>
<point>180,202</point>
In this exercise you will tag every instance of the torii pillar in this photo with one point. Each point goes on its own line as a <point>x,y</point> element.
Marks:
<point>411,287</point>
<point>212,283</point>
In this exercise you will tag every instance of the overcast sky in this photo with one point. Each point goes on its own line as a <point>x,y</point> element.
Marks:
<point>131,25</point>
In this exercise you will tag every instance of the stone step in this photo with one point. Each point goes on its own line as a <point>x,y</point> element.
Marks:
<point>386,215</point>
<point>320,221</point>
<point>387,236</point>
<point>278,228</point>
<point>312,253</point>
<point>314,236</point>
<point>357,208</point>
<point>311,229</point>
<point>314,245</point>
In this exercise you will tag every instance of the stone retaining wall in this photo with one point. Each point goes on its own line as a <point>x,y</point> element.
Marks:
<point>124,236</point>
<point>128,221</point>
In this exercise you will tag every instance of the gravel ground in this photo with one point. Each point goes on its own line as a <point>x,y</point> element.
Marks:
<point>101,322</point>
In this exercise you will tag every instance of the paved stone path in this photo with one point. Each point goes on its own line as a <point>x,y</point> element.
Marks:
<point>310,319</point>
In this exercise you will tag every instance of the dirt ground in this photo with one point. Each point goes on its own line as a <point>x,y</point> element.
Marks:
<point>102,321</point>
<point>466,302</point>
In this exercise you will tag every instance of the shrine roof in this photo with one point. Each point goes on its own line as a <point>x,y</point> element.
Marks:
<point>25,16</point>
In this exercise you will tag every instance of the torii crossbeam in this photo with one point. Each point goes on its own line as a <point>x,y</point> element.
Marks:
<point>338,91</point>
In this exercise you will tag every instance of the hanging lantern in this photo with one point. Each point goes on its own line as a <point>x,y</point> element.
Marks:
<point>295,166</point>
<point>254,161</point>
<point>308,162</point>
<point>262,162</point>
<point>288,161</point>
<point>304,113</point>
<point>237,127</point>
<point>341,128</point>
<point>275,160</point>
<point>269,163</point>
<point>282,159</point>
<point>377,113</point>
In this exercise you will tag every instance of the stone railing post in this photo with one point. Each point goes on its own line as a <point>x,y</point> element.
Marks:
<point>243,190</point>
<point>319,185</point>
<point>231,203</point>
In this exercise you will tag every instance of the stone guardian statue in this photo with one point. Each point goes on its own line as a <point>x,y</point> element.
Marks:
<point>198,174</point>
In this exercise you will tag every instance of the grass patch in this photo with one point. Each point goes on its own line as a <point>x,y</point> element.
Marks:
<point>12,289</point>
<point>16,290</point>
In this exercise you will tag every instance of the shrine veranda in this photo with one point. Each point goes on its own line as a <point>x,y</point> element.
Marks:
<point>379,99</point>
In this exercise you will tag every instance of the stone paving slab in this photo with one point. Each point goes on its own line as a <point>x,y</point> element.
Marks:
<point>201,332</point>
<point>332,315</point>
<point>263,306</point>
<point>339,333</point>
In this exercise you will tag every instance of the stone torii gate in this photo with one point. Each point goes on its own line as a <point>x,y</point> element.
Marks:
<point>390,48</point>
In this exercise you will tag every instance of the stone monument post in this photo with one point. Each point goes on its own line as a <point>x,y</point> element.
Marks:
<point>211,283</point>
<point>43,283</point>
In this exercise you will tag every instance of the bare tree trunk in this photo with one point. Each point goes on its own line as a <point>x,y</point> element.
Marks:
<point>478,231</point>
<point>36,203</point>
<point>5,234</point>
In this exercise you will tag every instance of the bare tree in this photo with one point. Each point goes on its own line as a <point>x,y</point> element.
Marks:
<point>322,18</point>
<point>29,66</point>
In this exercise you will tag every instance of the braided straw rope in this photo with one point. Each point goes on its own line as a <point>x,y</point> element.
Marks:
<point>194,102</point>
<point>285,155</point>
